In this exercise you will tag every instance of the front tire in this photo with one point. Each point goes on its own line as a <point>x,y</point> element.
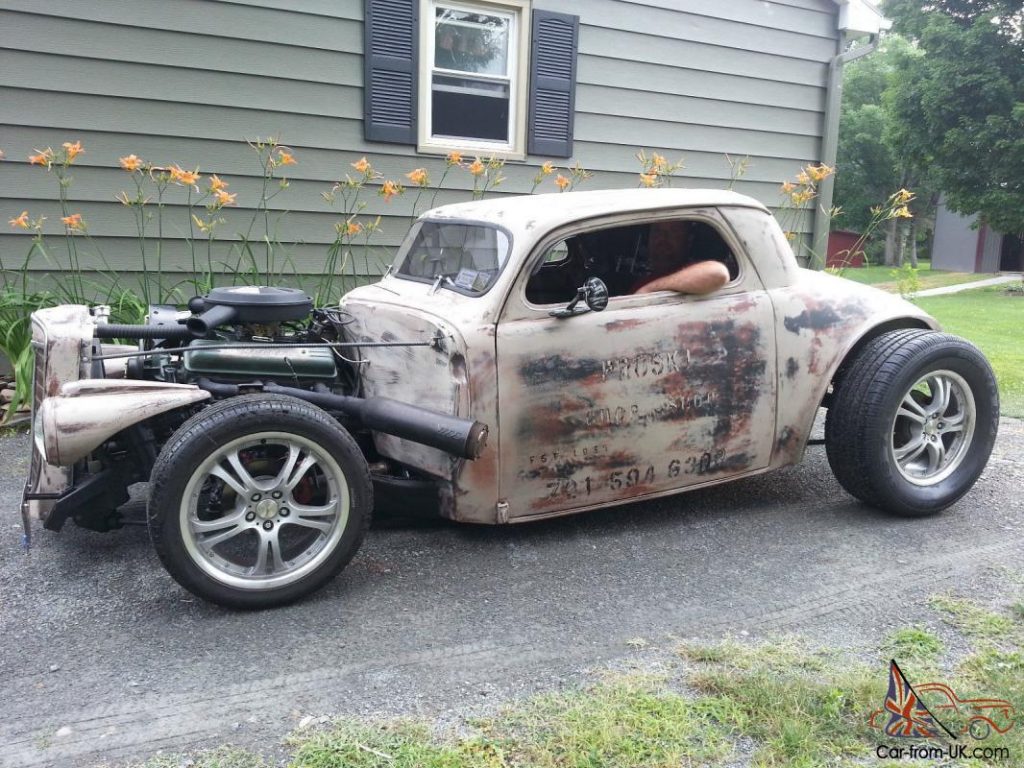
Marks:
<point>258,501</point>
<point>913,421</point>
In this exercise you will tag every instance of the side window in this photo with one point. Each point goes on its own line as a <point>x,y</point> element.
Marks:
<point>625,258</point>
<point>483,77</point>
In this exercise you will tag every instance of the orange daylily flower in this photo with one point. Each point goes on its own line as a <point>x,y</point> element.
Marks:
<point>183,177</point>
<point>74,221</point>
<point>476,167</point>
<point>72,150</point>
<point>284,157</point>
<point>657,161</point>
<point>217,184</point>
<point>820,172</point>
<point>348,228</point>
<point>389,189</point>
<point>648,179</point>
<point>454,158</point>
<point>20,221</point>
<point>363,166</point>
<point>902,213</point>
<point>904,196</point>
<point>803,177</point>
<point>418,177</point>
<point>561,182</point>
<point>788,187</point>
<point>547,168</point>
<point>45,157</point>
<point>224,197</point>
<point>130,163</point>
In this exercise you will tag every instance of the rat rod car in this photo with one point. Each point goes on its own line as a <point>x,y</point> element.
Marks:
<point>502,371</point>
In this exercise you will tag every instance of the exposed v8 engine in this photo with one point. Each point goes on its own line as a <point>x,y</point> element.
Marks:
<point>240,348</point>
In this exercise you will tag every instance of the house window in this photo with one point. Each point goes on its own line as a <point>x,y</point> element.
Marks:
<point>487,77</point>
<point>473,76</point>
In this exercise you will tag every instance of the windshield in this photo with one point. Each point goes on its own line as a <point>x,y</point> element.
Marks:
<point>463,257</point>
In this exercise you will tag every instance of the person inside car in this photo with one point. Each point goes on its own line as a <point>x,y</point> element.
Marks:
<point>672,265</point>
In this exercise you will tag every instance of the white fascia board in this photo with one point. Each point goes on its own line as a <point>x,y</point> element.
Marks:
<point>861,17</point>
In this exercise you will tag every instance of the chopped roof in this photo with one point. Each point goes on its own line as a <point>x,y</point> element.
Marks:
<point>525,212</point>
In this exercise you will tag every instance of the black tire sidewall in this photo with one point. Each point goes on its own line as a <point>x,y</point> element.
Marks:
<point>192,444</point>
<point>898,492</point>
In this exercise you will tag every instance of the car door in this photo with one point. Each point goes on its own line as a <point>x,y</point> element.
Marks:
<point>656,393</point>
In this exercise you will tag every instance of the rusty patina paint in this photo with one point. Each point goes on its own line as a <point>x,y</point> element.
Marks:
<point>86,413</point>
<point>655,395</point>
<point>61,335</point>
<point>822,318</point>
<point>457,376</point>
<point>661,402</point>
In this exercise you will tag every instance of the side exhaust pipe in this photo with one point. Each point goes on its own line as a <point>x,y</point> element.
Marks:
<point>459,437</point>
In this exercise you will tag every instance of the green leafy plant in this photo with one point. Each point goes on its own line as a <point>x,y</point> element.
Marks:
<point>907,281</point>
<point>16,339</point>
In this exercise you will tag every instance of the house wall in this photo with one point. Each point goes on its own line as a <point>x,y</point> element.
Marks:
<point>186,81</point>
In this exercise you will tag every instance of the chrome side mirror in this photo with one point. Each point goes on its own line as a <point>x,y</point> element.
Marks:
<point>596,293</point>
<point>593,293</point>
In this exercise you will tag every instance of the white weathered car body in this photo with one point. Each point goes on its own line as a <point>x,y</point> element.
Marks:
<point>656,394</point>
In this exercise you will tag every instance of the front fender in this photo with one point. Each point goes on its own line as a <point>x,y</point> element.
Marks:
<point>83,414</point>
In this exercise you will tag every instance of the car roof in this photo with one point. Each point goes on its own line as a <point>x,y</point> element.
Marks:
<point>521,213</point>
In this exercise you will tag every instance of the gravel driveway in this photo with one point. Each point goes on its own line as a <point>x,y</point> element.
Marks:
<point>105,658</point>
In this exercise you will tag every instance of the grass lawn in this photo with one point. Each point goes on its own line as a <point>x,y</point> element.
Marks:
<point>881,277</point>
<point>769,704</point>
<point>992,318</point>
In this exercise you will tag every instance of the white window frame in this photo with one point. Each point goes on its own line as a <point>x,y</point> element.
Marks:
<point>518,54</point>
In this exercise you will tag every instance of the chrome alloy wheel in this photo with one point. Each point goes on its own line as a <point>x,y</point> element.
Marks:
<point>264,510</point>
<point>933,428</point>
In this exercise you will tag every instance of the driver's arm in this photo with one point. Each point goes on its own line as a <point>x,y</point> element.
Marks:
<point>699,278</point>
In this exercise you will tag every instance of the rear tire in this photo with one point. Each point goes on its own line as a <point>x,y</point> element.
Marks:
<point>258,501</point>
<point>913,421</point>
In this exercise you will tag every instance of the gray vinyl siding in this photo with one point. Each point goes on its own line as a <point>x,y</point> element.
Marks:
<point>187,81</point>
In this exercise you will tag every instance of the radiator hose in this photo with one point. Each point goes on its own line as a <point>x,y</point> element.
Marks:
<point>116,331</point>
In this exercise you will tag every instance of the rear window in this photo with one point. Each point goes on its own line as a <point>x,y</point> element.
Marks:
<point>463,257</point>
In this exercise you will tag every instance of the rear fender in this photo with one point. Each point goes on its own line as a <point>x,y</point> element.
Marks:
<point>820,323</point>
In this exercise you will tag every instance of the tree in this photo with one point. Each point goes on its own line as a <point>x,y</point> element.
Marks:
<point>866,168</point>
<point>959,109</point>
<point>872,163</point>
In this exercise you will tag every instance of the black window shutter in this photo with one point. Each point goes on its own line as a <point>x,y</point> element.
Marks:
<point>552,83</point>
<point>390,60</point>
